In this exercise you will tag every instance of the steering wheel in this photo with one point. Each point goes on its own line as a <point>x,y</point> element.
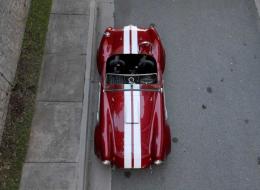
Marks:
<point>146,65</point>
<point>118,65</point>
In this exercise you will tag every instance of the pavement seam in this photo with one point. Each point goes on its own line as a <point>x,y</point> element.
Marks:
<point>47,162</point>
<point>53,13</point>
<point>60,53</point>
<point>58,101</point>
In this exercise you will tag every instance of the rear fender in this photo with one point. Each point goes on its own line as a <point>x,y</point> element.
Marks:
<point>161,139</point>
<point>103,132</point>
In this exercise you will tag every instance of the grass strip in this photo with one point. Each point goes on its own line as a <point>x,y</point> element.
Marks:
<point>22,100</point>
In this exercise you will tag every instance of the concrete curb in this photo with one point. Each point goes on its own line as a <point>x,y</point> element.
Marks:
<point>96,170</point>
<point>85,130</point>
<point>257,3</point>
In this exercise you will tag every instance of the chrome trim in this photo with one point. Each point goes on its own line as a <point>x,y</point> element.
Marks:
<point>132,74</point>
<point>158,162</point>
<point>106,162</point>
<point>122,89</point>
<point>165,108</point>
<point>98,109</point>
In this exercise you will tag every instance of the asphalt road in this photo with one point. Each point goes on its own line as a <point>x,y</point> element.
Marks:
<point>212,91</point>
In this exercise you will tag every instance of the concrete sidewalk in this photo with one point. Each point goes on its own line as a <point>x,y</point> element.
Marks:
<point>53,157</point>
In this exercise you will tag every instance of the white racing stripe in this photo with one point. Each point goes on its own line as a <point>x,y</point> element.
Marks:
<point>132,105</point>
<point>126,40</point>
<point>127,128</point>
<point>128,146</point>
<point>132,142</point>
<point>134,40</point>
<point>137,128</point>
<point>127,103</point>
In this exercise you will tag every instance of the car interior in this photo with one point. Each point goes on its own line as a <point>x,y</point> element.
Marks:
<point>131,69</point>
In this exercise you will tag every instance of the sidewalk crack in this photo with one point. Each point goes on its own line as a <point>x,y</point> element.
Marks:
<point>5,78</point>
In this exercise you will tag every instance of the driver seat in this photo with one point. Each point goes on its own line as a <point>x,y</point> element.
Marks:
<point>116,65</point>
<point>146,66</point>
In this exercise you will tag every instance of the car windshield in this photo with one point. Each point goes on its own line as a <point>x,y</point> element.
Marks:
<point>149,78</point>
<point>131,69</point>
<point>132,87</point>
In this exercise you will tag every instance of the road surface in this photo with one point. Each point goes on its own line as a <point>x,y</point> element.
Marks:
<point>212,84</point>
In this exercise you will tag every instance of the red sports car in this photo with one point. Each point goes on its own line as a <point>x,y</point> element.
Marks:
<point>132,129</point>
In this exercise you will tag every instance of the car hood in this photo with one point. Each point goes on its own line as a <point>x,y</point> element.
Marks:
<point>132,115</point>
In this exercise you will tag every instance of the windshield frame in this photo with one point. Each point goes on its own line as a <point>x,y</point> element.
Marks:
<point>132,77</point>
<point>133,87</point>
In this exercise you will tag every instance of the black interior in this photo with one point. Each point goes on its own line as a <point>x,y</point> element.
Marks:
<point>131,68</point>
<point>131,64</point>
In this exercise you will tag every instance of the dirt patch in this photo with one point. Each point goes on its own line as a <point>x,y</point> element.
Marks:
<point>127,174</point>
